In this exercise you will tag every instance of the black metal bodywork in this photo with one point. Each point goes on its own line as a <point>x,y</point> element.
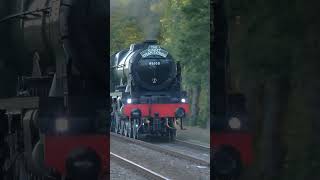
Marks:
<point>52,64</point>
<point>145,80</point>
<point>66,35</point>
<point>136,74</point>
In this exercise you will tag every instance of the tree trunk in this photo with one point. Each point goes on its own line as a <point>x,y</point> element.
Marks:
<point>254,91</point>
<point>195,104</point>
<point>188,121</point>
<point>275,105</point>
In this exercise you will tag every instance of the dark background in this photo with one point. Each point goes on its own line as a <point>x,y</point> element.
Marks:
<point>274,61</point>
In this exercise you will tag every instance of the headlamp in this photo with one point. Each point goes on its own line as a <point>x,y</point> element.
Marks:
<point>234,123</point>
<point>62,124</point>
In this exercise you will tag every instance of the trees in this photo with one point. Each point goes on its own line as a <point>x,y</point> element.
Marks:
<point>186,32</point>
<point>123,28</point>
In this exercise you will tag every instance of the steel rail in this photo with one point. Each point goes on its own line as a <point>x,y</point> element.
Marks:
<point>161,149</point>
<point>192,145</point>
<point>138,168</point>
<point>24,14</point>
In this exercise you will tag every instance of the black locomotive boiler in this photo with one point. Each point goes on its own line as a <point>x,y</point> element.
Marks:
<point>52,66</point>
<point>147,97</point>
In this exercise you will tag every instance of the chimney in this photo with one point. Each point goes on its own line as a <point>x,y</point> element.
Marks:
<point>150,42</point>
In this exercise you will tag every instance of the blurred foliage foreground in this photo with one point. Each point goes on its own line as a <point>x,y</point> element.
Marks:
<point>182,27</point>
<point>274,51</point>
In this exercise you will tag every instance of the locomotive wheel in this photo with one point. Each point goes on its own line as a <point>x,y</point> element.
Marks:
<point>226,164</point>
<point>220,177</point>
<point>122,127</point>
<point>20,171</point>
<point>135,132</point>
<point>125,128</point>
<point>171,132</point>
<point>171,135</point>
<point>113,124</point>
<point>168,134</point>
<point>118,127</point>
<point>115,128</point>
<point>129,129</point>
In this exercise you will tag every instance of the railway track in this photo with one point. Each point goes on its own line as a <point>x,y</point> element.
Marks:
<point>166,149</point>
<point>145,172</point>
<point>192,145</point>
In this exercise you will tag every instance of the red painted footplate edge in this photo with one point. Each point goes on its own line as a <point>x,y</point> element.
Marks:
<point>57,148</point>
<point>164,110</point>
<point>242,142</point>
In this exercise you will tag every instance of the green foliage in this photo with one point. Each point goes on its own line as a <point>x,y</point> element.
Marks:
<point>134,21</point>
<point>124,31</point>
<point>186,33</point>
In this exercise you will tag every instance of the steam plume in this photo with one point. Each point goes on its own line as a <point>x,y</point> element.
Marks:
<point>146,12</point>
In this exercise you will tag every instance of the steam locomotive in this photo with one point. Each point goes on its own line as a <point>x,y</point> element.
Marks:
<point>52,89</point>
<point>231,138</point>
<point>147,98</point>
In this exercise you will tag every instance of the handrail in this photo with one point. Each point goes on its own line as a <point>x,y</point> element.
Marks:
<point>23,14</point>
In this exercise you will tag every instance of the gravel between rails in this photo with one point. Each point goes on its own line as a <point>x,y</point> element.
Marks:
<point>145,172</point>
<point>118,172</point>
<point>187,150</point>
<point>171,149</point>
<point>162,163</point>
<point>193,145</point>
